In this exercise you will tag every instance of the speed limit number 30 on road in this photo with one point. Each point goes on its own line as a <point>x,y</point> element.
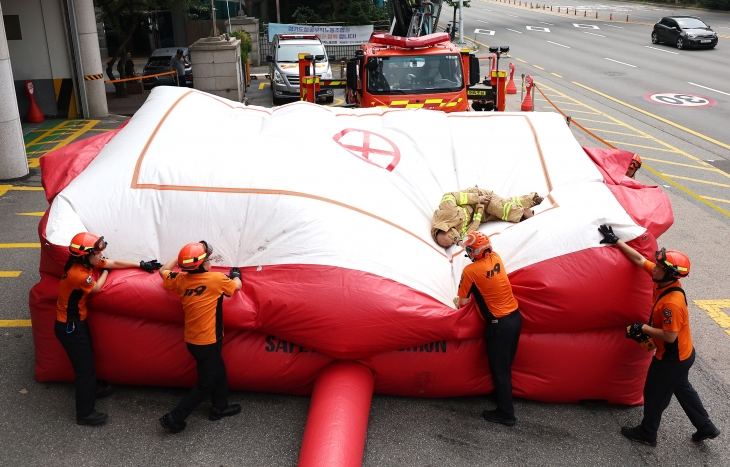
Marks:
<point>677,99</point>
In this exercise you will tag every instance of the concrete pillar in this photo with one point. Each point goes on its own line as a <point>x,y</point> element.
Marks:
<point>13,160</point>
<point>90,57</point>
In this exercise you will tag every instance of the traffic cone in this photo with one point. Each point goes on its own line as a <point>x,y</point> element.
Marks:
<point>527,101</point>
<point>34,114</point>
<point>511,88</point>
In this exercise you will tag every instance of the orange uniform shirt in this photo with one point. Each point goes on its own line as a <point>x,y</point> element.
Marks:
<point>202,300</point>
<point>73,290</point>
<point>488,277</point>
<point>670,314</point>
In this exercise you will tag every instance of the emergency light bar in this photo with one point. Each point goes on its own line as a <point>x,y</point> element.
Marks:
<point>292,36</point>
<point>407,42</point>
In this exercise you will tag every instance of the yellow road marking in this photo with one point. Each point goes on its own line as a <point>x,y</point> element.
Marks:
<point>261,85</point>
<point>37,213</point>
<point>718,199</point>
<point>539,67</point>
<point>711,169</point>
<point>14,323</point>
<point>46,133</point>
<point>555,74</point>
<point>600,121</point>
<point>640,146</point>
<point>10,273</point>
<point>75,134</point>
<point>564,103</point>
<point>5,188</point>
<point>337,101</point>
<point>691,193</point>
<point>698,181</point>
<point>579,111</point>
<point>520,60</point>
<point>20,245</point>
<point>618,133</point>
<point>713,308</point>
<point>668,122</point>
<point>34,162</point>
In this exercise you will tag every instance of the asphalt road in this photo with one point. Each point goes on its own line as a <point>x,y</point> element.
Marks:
<point>36,420</point>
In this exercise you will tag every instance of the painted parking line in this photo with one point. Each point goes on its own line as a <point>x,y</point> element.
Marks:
<point>714,308</point>
<point>661,50</point>
<point>622,63</point>
<point>10,273</point>
<point>14,323</point>
<point>19,245</point>
<point>661,119</point>
<point>5,188</point>
<point>262,85</point>
<point>705,87</point>
<point>35,214</point>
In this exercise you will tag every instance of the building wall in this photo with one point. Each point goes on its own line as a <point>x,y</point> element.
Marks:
<point>42,56</point>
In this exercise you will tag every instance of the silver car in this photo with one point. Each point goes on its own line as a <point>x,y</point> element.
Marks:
<point>284,66</point>
<point>159,62</point>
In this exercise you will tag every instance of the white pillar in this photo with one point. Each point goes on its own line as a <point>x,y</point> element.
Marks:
<point>90,55</point>
<point>13,160</point>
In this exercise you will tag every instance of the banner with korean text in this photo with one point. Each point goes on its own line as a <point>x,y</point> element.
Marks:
<point>329,35</point>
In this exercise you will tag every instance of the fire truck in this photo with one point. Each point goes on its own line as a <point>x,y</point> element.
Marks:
<point>426,72</point>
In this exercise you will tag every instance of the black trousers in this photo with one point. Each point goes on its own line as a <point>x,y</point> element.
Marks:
<point>212,380</point>
<point>76,341</point>
<point>502,338</point>
<point>663,379</point>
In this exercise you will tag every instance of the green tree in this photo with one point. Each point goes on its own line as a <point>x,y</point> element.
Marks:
<point>126,15</point>
<point>348,12</point>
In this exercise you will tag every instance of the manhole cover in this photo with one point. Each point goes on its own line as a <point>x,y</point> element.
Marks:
<point>721,164</point>
<point>615,73</point>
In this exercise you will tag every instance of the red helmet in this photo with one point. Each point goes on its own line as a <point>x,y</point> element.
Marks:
<point>675,262</point>
<point>193,255</point>
<point>635,162</point>
<point>86,243</point>
<point>476,245</point>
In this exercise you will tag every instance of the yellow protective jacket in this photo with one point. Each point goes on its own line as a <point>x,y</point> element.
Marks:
<point>461,212</point>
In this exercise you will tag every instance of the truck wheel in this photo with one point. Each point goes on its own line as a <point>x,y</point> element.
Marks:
<point>329,99</point>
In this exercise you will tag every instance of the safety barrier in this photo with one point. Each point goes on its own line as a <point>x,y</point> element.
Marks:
<point>567,9</point>
<point>137,78</point>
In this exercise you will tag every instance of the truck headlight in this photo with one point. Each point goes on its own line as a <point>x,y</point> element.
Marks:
<point>277,78</point>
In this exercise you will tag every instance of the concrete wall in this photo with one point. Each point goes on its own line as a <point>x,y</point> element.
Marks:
<point>41,56</point>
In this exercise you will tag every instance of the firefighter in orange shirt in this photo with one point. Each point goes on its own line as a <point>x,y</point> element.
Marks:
<point>486,281</point>
<point>71,328</point>
<point>669,329</point>
<point>201,293</point>
<point>634,166</point>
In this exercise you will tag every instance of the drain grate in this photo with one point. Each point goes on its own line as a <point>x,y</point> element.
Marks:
<point>721,164</point>
<point>615,73</point>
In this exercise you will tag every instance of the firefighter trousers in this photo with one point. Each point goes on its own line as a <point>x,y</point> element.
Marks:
<point>212,381</point>
<point>502,338</point>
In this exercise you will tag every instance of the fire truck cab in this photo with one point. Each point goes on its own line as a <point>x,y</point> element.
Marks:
<point>426,72</point>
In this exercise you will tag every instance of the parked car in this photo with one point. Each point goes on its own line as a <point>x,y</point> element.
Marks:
<point>159,62</point>
<point>684,32</point>
<point>284,66</point>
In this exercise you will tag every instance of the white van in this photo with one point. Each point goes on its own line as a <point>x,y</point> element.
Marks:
<point>284,66</point>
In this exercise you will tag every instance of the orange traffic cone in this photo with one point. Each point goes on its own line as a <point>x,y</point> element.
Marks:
<point>527,101</point>
<point>511,88</point>
<point>34,114</point>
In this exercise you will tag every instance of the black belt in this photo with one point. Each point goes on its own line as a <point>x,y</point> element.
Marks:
<point>494,320</point>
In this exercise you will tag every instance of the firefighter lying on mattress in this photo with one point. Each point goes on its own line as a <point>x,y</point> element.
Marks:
<point>461,212</point>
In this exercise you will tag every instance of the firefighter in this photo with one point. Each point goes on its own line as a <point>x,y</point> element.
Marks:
<point>486,281</point>
<point>72,329</point>
<point>462,212</point>
<point>668,328</point>
<point>201,293</point>
<point>634,166</point>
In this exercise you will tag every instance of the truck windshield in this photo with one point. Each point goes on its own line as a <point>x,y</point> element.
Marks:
<point>414,74</point>
<point>290,52</point>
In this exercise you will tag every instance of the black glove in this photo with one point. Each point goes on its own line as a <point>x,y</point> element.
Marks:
<point>634,332</point>
<point>609,237</point>
<point>235,273</point>
<point>150,266</point>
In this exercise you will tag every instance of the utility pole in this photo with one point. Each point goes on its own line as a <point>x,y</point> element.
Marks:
<point>212,15</point>
<point>461,21</point>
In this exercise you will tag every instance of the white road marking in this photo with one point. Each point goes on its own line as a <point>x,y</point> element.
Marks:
<point>561,45</point>
<point>722,27</point>
<point>514,16</point>
<point>622,63</point>
<point>484,31</point>
<point>485,9</point>
<point>537,28</point>
<point>612,26</point>
<point>660,50</point>
<point>705,87</point>
<point>518,32</point>
<point>543,22</point>
<point>586,26</point>
<point>586,32</point>
<point>481,21</point>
